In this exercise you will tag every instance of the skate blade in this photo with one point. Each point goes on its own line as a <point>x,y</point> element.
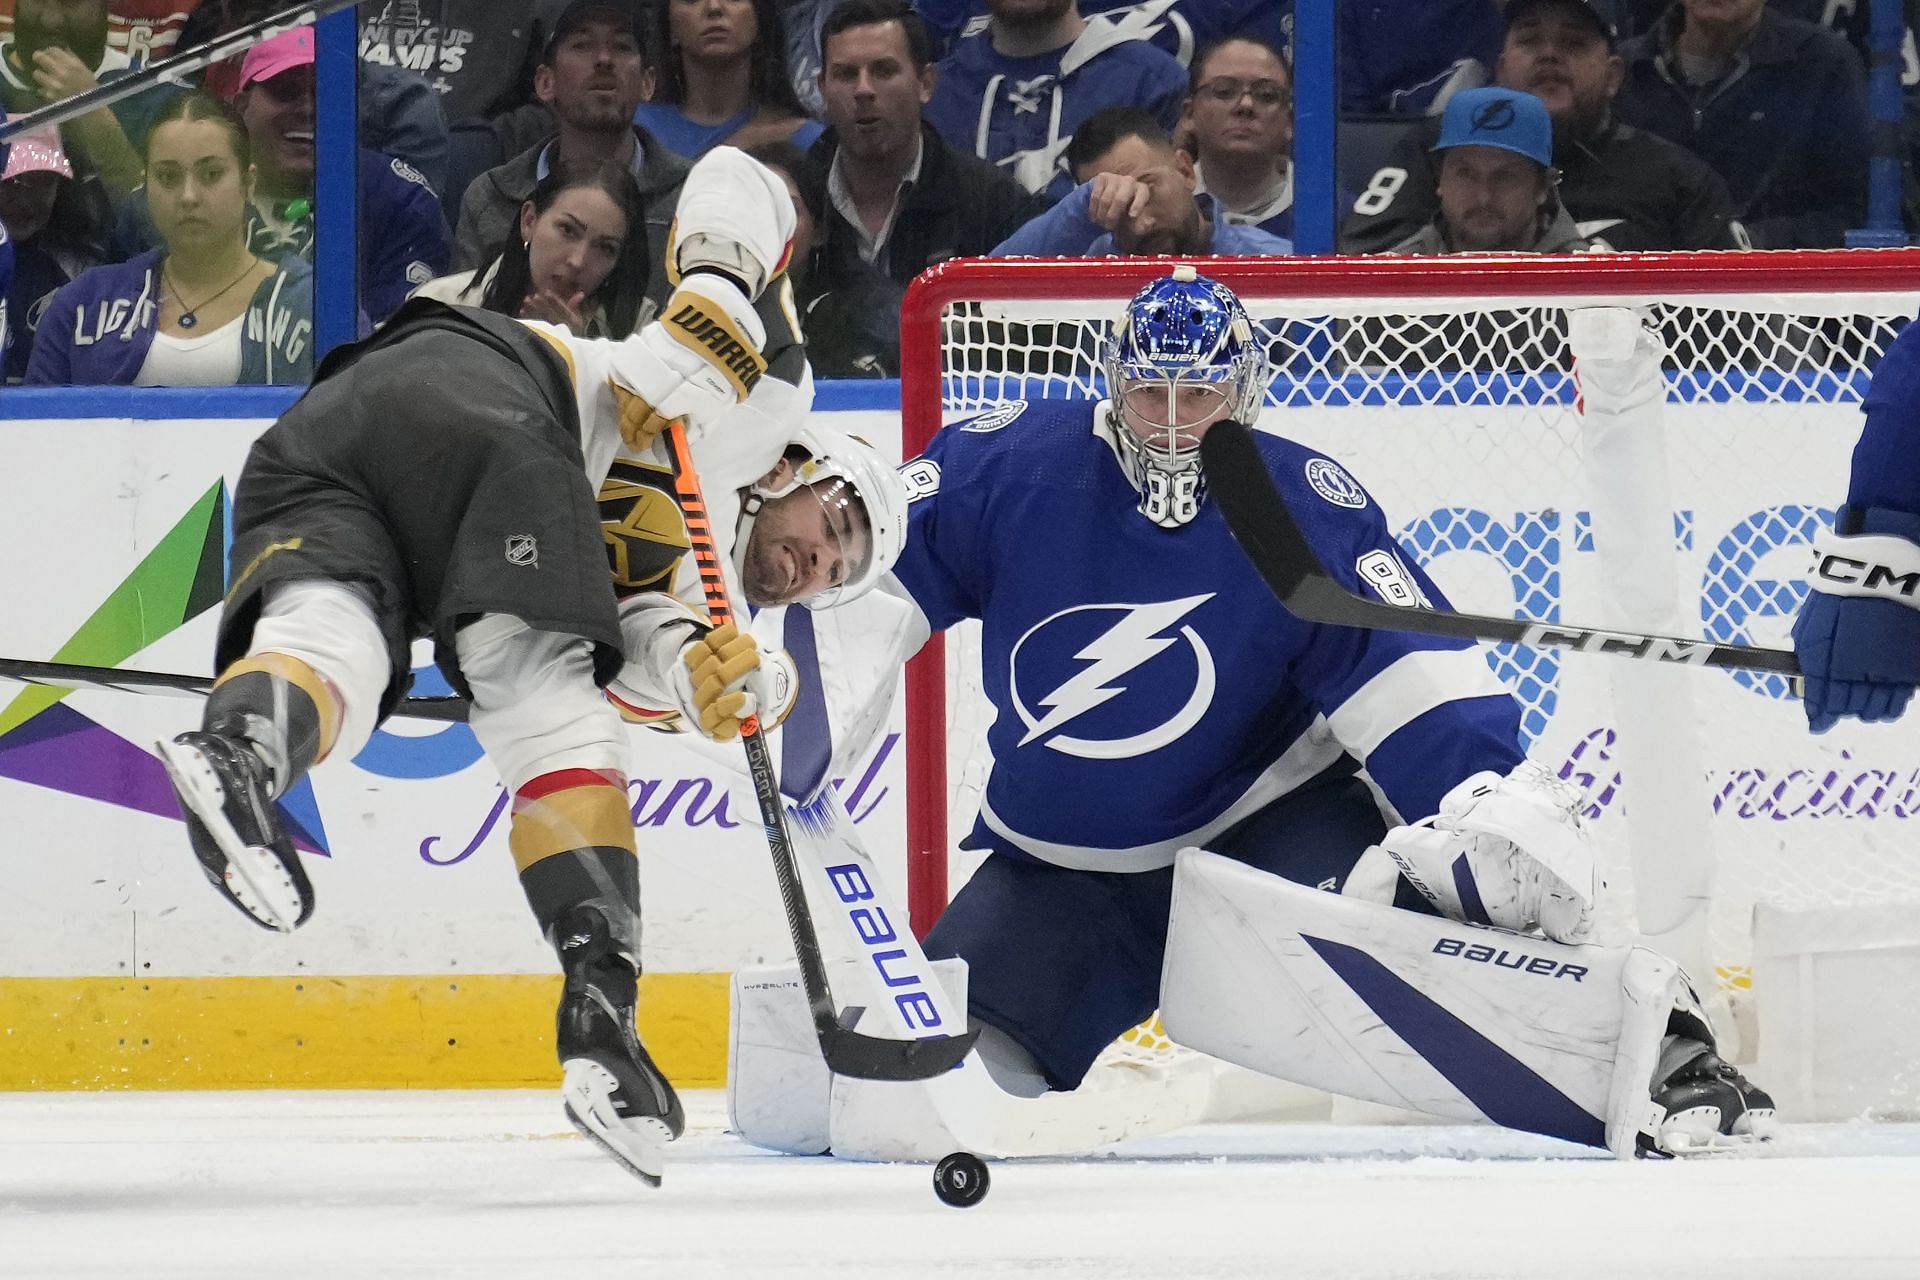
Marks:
<point>1696,1133</point>
<point>255,877</point>
<point>638,1143</point>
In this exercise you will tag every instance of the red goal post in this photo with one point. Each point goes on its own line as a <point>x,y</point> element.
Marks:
<point>1747,332</point>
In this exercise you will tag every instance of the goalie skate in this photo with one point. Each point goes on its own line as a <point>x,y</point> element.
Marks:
<point>226,799</point>
<point>1710,1108</point>
<point>612,1092</point>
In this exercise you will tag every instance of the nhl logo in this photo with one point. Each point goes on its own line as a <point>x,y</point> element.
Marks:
<point>523,550</point>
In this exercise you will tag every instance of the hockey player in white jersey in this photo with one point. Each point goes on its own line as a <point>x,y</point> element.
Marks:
<point>439,479</point>
<point>1152,697</point>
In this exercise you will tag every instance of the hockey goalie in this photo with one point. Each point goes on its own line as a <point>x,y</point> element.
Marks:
<point>1185,809</point>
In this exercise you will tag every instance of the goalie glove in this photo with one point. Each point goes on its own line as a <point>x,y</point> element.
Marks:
<point>1512,852</point>
<point>699,359</point>
<point>1858,635</point>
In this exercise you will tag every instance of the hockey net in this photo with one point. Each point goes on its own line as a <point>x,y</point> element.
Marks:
<point>1446,387</point>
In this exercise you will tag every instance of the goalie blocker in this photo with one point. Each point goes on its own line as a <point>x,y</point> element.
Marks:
<point>1602,1046</point>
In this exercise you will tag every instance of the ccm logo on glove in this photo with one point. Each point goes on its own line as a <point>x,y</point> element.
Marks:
<point>1864,573</point>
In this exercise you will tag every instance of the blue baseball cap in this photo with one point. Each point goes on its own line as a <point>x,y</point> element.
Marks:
<point>1495,117</point>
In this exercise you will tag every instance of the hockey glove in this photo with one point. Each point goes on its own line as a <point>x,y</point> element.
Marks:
<point>1858,635</point>
<point>1512,852</point>
<point>725,678</point>
<point>700,358</point>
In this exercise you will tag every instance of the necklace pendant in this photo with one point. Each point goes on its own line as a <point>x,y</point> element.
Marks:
<point>188,320</point>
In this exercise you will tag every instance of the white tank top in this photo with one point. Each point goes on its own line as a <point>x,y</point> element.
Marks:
<point>210,360</point>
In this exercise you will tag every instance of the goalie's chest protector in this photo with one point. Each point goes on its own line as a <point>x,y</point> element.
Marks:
<point>1144,679</point>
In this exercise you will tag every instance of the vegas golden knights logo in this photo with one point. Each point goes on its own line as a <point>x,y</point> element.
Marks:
<point>645,531</point>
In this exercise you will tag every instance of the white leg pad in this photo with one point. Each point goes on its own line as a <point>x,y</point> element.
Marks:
<point>1414,1011</point>
<point>330,626</point>
<point>780,1094</point>
<point>535,706</point>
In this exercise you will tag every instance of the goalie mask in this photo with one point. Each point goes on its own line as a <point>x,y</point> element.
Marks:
<point>1183,357</point>
<point>824,526</point>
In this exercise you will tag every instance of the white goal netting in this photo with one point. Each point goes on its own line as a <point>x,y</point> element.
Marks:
<point>1447,389</point>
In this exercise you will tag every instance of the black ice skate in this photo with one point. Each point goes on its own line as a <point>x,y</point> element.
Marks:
<point>612,1092</point>
<point>226,797</point>
<point>1708,1106</point>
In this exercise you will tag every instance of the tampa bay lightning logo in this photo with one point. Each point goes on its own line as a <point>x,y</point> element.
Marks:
<point>1130,678</point>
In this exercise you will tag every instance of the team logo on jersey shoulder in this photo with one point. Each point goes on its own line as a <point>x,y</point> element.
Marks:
<point>995,418</point>
<point>523,550</point>
<point>1331,481</point>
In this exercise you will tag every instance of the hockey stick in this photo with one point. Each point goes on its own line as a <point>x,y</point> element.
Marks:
<point>1267,532</point>
<point>69,675</point>
<point>846,1051</point>
<point>170,70</point>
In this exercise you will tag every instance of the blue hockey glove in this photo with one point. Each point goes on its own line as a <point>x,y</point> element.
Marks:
<point>1858,635</point>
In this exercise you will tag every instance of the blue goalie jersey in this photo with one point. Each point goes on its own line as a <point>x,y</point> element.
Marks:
<point>1149,691</point>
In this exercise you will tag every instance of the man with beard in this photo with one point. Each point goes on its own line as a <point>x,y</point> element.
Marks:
<point>1496,186</point>
<point>1626,189</point>
<point>1136,196</point>
<point>592,74</point>
<point>899,198</point>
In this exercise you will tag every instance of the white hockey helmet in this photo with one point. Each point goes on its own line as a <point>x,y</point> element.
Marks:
<point>821,454</point>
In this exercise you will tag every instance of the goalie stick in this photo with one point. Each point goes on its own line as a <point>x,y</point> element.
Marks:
<point>172,70</point>
<point>71,675</point>
<point>1267,532</point>
<point>846,1051</point>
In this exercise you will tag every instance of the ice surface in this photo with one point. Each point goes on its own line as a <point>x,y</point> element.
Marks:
<point>276,1185</point>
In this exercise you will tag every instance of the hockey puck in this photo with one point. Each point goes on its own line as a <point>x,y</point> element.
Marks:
<point>960,1179</point>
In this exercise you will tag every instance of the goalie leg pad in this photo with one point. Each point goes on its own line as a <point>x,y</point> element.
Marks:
<point>1396,1007</point>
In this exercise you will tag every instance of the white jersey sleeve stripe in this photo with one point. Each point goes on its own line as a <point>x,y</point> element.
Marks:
<point>1407,689</point>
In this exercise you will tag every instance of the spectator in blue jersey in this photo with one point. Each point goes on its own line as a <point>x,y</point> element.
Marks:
<point>202,309</point>
<point>722,78</point>
<point>1016,93</point>
<point>1407,57</point>
<point>1496,188</point>
<point>900,199</point>
<point>1777,106</point>
<point>1239,130</point>
<point>1136,196</point>
<point>593,73</point>
<point>1181,27</point>
<point>45,254</point>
